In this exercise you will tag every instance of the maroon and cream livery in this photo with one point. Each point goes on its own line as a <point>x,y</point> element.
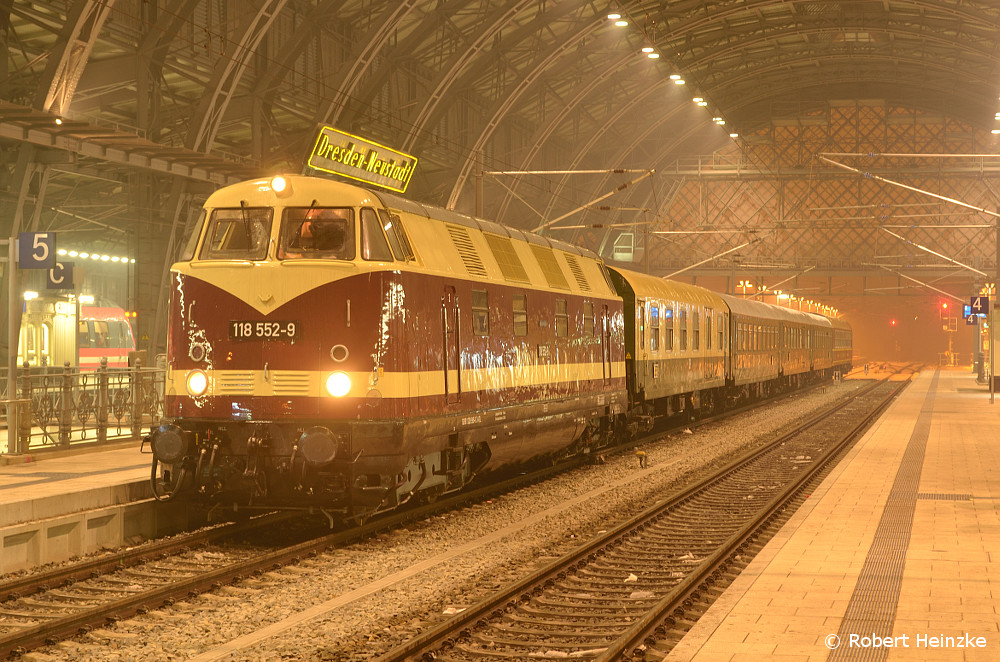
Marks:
<point>336,348</point>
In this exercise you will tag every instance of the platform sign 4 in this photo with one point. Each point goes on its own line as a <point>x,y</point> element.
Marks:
<point>972,320</point>
<point>60,277</point>
<point>36,250</point>
<point>980,305</point>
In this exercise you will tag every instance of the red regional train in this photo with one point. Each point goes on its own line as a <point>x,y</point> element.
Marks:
<point>336,348</point>
<point>55,330</point>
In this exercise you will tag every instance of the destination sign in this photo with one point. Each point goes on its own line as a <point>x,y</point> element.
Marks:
<point>362,160</point>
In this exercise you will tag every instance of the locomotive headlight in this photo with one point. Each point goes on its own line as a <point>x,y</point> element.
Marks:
<point>281,187</point>
<point>338,384</point>
<point>196,382</point>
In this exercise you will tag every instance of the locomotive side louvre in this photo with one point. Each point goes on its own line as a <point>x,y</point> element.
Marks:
<point>466,346</point>
<point>676,335</point>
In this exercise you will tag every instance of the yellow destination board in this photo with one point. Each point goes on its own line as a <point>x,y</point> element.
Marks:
<point>362,160</point>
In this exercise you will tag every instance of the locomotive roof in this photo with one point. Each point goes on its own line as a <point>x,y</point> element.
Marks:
<point>769,311</point>
<point>400,203</point>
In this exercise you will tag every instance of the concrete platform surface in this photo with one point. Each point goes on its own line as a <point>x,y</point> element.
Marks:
<point>895,556</point>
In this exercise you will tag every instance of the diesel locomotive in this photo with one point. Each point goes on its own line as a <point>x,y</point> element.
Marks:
<point>341,349</point>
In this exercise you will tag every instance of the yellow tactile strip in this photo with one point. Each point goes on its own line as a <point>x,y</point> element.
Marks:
<point>872,607</point>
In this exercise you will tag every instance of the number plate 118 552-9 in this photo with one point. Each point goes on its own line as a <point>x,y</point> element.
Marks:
<point>277,330</point>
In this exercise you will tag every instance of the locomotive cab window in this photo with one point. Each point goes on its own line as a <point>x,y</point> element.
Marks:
<point>480,313</point>
<point>238,234</point>
<point>192,242</point>
<point>317,232</point>
<point>374,246</point>
<point>397,236</point>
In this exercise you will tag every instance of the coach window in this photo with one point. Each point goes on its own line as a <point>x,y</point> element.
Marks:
<point>397,236</point>
<point>588,318</point>
<point>668,330</point>
<point>708,328</point>
<point>654,328</point>
<point>520,315</point>
<point>374,247</point>
<point>696,337</point>
<point>242,233</point>
<point>642,326</point>
<point>480,313</point>
<point>722,326</point>
<point>683,322</point>
<point>317,233</point>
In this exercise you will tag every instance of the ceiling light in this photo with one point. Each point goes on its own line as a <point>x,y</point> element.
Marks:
<point>61,251</point>
<point>647,49</point>
<point>702,103</point>
<point>59,120</point>
<point>614,17</point>
<point>675,76</point>
<point>995,131</point>
<point>697,99</point>
<point>734,135</point>
<point>679,81</point>
<point>621,24</point>
<point>652,56</point>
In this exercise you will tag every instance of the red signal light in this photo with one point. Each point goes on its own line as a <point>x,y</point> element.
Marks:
<point>892,322</point>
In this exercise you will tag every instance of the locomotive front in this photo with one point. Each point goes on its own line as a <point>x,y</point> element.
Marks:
<point>278,328</point>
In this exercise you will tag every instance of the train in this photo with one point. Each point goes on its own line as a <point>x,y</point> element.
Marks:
<point>346,350</point>
<point>56,330</point>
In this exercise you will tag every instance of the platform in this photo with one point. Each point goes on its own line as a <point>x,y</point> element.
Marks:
<point>61,504</point>
<point>895,556</point>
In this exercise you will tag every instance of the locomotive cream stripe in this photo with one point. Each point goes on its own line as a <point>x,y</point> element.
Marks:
<point>289,383</point>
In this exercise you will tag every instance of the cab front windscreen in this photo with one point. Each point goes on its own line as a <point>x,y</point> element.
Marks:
<point>317,232</point>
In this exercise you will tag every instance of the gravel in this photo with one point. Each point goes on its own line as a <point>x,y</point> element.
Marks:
<point>542,522</point>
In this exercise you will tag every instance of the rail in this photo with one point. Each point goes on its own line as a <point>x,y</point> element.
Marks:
<point>59,408</point>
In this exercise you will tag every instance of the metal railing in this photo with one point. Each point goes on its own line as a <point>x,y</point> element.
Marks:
<point>56,408</point>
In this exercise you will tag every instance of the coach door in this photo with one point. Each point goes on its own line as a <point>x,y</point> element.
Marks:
<point>605,327</point>
<point>452,354</point>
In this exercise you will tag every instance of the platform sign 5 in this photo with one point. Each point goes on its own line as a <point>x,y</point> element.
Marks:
<point>36,250</point>
<point>60,277</point>
<point>980,305</point>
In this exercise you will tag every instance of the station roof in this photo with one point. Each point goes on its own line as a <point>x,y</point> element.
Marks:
<point>577,117</point>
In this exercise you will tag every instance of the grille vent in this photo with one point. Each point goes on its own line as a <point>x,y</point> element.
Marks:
<point>547,261</point>
<point>510,263</point>
<point>233,382</point>
<point>574,266</point>
<point>466,250</point>
<point>287,382</point>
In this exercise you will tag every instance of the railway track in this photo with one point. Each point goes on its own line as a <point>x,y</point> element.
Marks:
<point>638,588</point>
<point>45,607</point>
